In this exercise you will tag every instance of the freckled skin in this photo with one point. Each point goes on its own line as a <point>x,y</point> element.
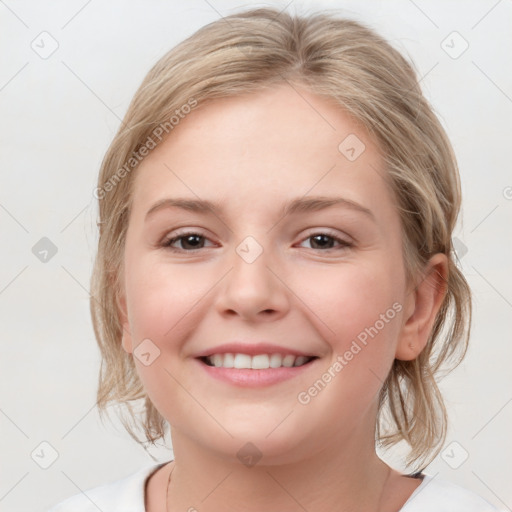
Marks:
<point>252,154</point>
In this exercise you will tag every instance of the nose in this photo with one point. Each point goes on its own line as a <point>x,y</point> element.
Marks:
<point>253,290</point>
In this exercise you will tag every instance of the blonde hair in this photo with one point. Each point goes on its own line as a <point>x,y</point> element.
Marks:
<point>339,59</point>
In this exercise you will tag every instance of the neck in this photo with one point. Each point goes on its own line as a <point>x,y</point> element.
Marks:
<point>346,476</point>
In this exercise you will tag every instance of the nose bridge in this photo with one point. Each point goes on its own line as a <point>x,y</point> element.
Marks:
<point>250,272</point>
<point>251,286</point>
<point>250,250</point>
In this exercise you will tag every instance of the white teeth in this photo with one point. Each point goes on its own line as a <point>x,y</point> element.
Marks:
<point>217,360</point>
<point>242,361</point>
<point>260,362</point>
<point>299,361</point>
<point>257,362</point>
<point>229,360</point>
<point>288,361</point>
<point>275,360</point>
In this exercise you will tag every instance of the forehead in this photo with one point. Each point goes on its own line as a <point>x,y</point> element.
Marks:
<point>261,147</point>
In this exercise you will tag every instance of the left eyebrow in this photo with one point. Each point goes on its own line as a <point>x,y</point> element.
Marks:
<point>294,206</point>
<point>316,203</point>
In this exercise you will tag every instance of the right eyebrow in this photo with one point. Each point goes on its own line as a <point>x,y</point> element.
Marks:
<point>193,205</point>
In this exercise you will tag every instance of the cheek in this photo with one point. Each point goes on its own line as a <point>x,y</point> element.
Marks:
<point>361,309</point>
<point>159,297</point>
<point>162,302</point>
<point>158,307</point>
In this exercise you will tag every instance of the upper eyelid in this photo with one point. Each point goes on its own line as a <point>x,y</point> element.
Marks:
<point>167,239</point>
<point>315,231</point>
<point>199,231</point>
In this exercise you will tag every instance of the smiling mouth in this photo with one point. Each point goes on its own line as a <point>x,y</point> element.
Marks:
<point>256,362</point>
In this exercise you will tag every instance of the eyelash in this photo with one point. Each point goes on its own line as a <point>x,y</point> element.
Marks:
<point>167,243</point>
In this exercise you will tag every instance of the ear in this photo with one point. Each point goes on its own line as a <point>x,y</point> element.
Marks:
<point>421,308</point>
<point>126,340</point>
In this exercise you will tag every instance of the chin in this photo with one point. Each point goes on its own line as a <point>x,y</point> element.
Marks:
<point>267,442</point>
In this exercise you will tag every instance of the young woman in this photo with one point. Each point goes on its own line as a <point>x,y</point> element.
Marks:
<point>275,274</point>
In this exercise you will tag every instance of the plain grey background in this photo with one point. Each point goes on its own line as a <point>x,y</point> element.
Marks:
<point>69,70</point>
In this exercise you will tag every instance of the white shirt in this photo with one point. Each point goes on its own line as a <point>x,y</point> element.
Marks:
<point>127,495</point>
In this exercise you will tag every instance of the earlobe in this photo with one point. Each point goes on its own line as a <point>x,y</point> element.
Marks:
<point>422,308</point>
<point>126,341</point>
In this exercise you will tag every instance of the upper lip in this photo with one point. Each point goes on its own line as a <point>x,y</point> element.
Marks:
<point>252,349</point>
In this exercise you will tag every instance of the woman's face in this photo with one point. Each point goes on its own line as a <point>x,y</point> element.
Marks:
<point>263,226</point>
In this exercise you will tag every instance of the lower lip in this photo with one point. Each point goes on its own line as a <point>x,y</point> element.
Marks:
<point>246,377</point>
